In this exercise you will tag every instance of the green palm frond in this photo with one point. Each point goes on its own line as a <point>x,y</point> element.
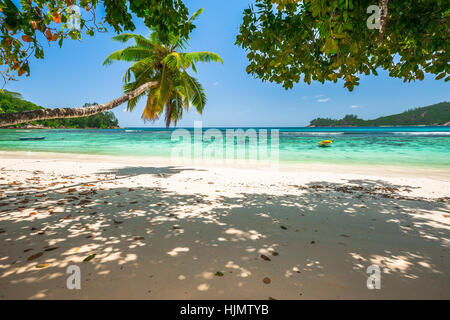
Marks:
<point>202,56</point>
<point>130,54</point>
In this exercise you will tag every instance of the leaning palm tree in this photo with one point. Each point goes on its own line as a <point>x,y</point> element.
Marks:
<point>164,64</point>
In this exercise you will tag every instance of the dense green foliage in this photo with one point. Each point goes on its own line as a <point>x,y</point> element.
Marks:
<point>161,61</point>
<point>436,114</point>
<point>13,102</point>
<point>22,26</point>
<point>317,40</point>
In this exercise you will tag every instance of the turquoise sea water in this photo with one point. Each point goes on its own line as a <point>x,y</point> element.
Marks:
<point>412,146</point>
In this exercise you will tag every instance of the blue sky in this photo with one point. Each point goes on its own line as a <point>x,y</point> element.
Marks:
<point>73,75</point>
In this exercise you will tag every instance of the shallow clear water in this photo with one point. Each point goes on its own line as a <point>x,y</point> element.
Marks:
<point>413,146</point>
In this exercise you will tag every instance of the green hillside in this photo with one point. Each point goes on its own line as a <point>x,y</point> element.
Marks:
<point>436,114</point>
<point>13,102</point>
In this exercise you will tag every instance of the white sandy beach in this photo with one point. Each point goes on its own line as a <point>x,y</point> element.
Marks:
<point>164,231</point>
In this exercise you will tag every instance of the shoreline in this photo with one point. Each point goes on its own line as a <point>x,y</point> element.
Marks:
<point>164,231</point>
<point>360,168</point>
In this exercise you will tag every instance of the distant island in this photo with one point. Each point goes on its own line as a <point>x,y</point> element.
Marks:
<point>436,114</point>
<point>13,102</point>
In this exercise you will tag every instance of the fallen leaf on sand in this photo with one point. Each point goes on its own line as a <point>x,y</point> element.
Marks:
<point>264,257</point>
<point>89,258</point>
<point>446,215</point>
<point>42,265</point>
<point>35,256</point>
<point>67,217</point>
<point>219,274</point>
<point>117,222</point>
<point>26,250</point>
<point>32,213</point>
<point>71,190</point>
<point>266,280</point>
<point>138,238</point>
<point>76,250</point>
<point>283,227</point>
<point>345,235</point>
<point>275,253</point>
<point>51,249</point>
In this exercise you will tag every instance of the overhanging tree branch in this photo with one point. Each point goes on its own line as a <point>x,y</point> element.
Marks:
<point>9,119</point>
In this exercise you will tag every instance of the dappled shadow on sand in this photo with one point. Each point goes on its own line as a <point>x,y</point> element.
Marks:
<point>151,242</point>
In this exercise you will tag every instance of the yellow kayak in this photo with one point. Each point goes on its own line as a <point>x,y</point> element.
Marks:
<point>325,143</point>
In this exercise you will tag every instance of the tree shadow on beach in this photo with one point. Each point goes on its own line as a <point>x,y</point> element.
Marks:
<point>153,243</point>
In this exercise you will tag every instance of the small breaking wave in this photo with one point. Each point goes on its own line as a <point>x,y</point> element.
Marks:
<point>434,133</point>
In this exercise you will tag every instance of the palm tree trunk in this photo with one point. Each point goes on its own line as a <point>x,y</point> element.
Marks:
<point>169,109</point>
<point>9,119</point>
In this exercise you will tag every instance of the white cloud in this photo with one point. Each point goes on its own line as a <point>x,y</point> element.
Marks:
<point>354,106</point>
<point>320,96</point>
<point>323,100</point>
<point>216,83</point>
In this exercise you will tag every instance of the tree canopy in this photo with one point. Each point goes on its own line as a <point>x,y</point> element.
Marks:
<point>22,28</point>
<point>287,40</point>
<point>314,40</point>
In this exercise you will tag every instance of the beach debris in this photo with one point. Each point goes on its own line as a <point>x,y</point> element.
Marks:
<point>138,238</point>
<point>210,182</point>
<point>312,242</point>
<point>266,280</point>
<point>70,190</point>
<point>270,298</point>
<point>345,235</point>
<point>67,217</point>
<point>176,227</point>
<point>219,274</point>
<point>51,249</point>
<point>274,253</point>
<point>26,250</point>
<point>117,222</point>
<point>446,215</point>
<point>283,227</point>
<point>90,257</point>
<point>42,265</point>
<point>35,256</point>
<point>264,257</point>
